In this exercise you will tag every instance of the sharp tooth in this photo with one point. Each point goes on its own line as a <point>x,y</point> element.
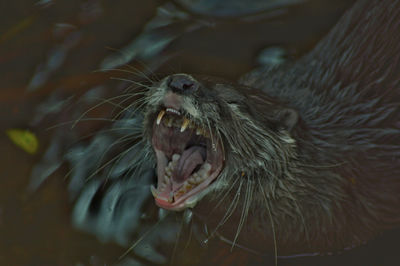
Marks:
<point>198,131</point>
<point>160,116</point>
<point>185,124</point>
<point>172,110</point>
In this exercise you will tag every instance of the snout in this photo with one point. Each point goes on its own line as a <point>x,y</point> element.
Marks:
<point>182,84</point>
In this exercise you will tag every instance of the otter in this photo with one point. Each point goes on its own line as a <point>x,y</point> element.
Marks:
<point>301,157</point>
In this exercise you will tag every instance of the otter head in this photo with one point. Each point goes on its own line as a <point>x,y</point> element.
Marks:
<point>207,134</point>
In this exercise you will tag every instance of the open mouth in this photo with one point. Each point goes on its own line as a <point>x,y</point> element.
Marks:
<point>189,159</point>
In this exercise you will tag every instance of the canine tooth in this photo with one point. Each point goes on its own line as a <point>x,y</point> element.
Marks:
<point>198,131</point>
<point>185,124</point>
<point>160,116</point>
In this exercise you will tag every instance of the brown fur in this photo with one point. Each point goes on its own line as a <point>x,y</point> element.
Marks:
<point>315,165</point>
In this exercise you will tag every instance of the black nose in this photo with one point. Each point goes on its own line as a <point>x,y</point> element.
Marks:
<point>181,83</point>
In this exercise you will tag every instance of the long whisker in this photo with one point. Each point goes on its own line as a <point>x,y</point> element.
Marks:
<point>136,72</point>
<point>221,197</point>
<point>142,73</point>
<point>83,119</point>
<point>137,104</point>
<point>131,81</point>
<point>95,106</point>
<point>118,141</point>
<point>301,216</point>
<point>246,206</point>
<point>272,221</point>
<point>109,162</point>
<point>190,234</point>
<point>178,236</point>
<point>136,164</point>
<point>137,242</point>
<point>230,210</point>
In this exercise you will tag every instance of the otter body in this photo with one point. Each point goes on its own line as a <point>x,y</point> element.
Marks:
<point>302,157</point>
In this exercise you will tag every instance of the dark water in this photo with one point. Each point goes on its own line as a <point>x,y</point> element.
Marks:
<point>52,50</point>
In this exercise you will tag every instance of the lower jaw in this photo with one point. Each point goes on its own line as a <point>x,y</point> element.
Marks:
<point>185,201</point>
<point>169,196</point>
<point>177,196</point>
<point>176,207</point>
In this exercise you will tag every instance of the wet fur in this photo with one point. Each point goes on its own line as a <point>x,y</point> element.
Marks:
<point>312,148</point>
<point>330,180</point>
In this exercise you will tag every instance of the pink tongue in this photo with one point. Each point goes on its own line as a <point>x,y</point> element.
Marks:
<point>189,160</point>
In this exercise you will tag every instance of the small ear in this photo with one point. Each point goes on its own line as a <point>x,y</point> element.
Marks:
<point>288,118</point>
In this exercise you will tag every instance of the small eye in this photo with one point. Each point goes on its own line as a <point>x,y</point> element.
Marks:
<point>234,101</point>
